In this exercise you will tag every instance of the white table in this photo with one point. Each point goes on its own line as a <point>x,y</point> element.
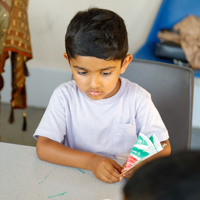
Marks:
<point>24,177</point>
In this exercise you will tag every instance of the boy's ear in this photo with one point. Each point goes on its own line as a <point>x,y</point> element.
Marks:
<point>126,62</point>
<point>66,57</point>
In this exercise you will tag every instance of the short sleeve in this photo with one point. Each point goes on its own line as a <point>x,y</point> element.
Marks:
<point>53,122</point>
<point>148,119</point>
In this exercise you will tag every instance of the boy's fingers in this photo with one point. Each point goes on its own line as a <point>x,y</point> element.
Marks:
<point>109,171</point>
<point>127,176</point>
<point>111,176</point>
<point>107,180</point>
<point>117,166</point>
<point>106,176</point>
<point>112,172</point>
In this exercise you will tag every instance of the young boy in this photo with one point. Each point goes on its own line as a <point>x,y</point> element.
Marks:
<point>97,117</point>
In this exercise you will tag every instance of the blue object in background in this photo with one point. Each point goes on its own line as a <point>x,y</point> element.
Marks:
<point>170,13</point>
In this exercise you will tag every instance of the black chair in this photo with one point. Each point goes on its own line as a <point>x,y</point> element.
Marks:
<point>171,88</point>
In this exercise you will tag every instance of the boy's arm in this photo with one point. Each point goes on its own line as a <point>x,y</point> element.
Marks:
<point>103,168</point>
<point>165,152</point>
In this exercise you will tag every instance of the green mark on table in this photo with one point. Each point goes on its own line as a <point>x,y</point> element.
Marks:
<point>47,175</point>
<point>57,195</point>
<point>81,170</point>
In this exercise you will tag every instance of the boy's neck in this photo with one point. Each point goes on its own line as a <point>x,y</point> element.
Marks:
<point>116,89</point>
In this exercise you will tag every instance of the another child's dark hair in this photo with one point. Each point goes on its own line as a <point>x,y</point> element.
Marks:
<point>173,177</point>
<point>98,33</point>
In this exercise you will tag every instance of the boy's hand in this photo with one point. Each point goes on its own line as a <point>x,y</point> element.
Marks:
<point>106,169</point>
<point>129,173</point>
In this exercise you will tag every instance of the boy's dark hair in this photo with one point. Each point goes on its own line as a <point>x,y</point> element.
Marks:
<point>98,33</point>
<point>168,178</point>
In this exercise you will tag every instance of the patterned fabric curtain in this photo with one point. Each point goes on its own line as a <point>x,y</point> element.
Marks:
<point>15,42</point>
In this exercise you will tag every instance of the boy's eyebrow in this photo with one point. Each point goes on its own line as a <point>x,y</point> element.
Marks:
<point>77,67</point>
<point>82,68</point>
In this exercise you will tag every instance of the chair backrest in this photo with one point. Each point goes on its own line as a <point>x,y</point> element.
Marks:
<point>171,89</point>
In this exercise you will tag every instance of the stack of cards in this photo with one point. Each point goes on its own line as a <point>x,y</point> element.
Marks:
<point>144,148</point>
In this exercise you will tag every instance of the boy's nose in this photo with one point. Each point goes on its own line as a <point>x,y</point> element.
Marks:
<point>94,83</point>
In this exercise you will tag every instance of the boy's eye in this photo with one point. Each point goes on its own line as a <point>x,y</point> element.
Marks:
<point>82,73</point>
<point>106,73</point>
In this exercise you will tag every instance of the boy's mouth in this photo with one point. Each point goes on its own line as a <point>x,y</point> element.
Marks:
<point>94,92</point>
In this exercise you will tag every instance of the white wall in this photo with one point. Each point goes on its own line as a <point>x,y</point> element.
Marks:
<point>48,20</point>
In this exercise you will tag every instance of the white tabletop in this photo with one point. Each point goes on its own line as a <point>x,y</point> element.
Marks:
<point>24,177</point>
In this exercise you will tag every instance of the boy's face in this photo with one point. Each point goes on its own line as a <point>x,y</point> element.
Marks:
<point>97,78</point>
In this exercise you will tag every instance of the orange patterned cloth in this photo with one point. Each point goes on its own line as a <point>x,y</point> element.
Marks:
<point>16,31</point>
<point>15,38</point>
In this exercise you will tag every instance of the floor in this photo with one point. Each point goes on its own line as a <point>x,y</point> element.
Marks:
<point>12,133</point>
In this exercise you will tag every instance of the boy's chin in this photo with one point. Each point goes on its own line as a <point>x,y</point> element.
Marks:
<point>94,98</point>
<point>97,98</point>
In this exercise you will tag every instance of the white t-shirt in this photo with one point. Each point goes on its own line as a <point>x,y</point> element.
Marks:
<point>107,127</point>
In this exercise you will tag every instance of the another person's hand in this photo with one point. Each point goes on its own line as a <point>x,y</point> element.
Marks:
<point>106,169</point>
